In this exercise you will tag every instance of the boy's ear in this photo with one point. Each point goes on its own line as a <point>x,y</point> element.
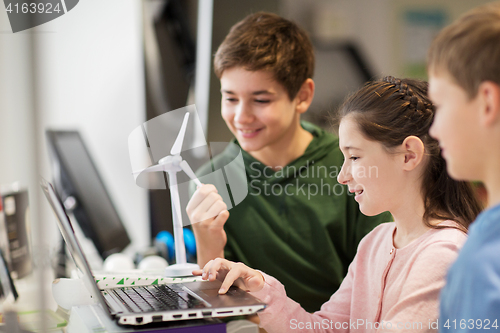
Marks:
<point>304,96</point>
<point>489,92</point>
<point>413,149</point>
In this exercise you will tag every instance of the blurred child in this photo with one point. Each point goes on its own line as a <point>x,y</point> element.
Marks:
<point>464,71</point>
<point>391,164</point>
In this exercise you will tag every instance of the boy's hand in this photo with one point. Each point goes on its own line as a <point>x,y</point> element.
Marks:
<point>208,214</point>
<point>231,273</point>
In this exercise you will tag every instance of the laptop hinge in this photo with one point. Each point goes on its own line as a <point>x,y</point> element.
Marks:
<point>115,307</point>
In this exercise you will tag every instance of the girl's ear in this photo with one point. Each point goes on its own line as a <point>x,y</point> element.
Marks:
<point>413,151</point>
<point>305,96</point>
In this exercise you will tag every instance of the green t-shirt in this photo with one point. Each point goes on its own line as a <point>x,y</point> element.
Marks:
<point>297,224</point>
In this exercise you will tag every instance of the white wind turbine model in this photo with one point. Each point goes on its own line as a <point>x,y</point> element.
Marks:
<point>172,164</point>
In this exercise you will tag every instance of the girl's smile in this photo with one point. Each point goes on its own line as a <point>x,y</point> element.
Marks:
<point>369,170</point>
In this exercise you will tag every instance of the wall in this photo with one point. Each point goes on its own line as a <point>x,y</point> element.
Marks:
<point>17,119</point>
<point>90,77</point>
<point>81,71</point>
<point>377,26</point>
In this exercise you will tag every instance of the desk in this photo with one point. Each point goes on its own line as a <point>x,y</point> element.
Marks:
<point>26,309</point>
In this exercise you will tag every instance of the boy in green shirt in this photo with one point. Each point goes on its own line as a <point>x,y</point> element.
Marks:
<point>296,223</point>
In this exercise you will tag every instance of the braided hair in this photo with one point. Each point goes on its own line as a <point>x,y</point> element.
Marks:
<point>391,109</point>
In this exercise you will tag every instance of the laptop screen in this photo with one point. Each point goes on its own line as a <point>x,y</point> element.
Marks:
<point>64,224</point>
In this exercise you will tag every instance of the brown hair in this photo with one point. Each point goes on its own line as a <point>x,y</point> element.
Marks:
<point>469,49</point>
<point>265,41</point>
<point>390,110</point>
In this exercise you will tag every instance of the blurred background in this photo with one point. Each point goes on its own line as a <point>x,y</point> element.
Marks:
<point>107,66</point>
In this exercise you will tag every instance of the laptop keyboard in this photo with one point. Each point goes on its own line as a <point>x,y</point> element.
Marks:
<point>156,298</point>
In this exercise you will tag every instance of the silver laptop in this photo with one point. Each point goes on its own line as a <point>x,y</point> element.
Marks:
<point>139,305</point>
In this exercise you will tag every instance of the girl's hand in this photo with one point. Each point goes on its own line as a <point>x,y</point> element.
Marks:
<point>231,273</point>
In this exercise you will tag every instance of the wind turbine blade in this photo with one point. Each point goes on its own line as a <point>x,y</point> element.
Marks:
<point>154,168</point>
<point>177,147</point>
<point>187,169</point>
<point>180,250</point>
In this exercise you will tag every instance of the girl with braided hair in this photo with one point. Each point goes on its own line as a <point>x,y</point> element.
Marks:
<point>391,164</point>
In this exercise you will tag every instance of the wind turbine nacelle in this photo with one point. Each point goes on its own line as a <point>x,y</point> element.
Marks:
<point>170,162</point>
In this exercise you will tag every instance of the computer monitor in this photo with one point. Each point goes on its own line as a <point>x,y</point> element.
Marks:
<point>82,190</point>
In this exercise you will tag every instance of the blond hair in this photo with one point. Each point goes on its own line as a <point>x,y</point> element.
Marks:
<point>469,49</point>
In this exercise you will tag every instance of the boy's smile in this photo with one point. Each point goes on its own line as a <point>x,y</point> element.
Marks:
<point>258,111</point>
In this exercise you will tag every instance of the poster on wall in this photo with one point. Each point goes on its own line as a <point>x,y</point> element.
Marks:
<point>419,29</point>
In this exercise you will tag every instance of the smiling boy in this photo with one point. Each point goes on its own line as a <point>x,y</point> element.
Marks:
<point>296,223</point>
<point>464,71</point>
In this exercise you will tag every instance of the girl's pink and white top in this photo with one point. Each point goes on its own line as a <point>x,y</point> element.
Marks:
<point>385,290</point>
